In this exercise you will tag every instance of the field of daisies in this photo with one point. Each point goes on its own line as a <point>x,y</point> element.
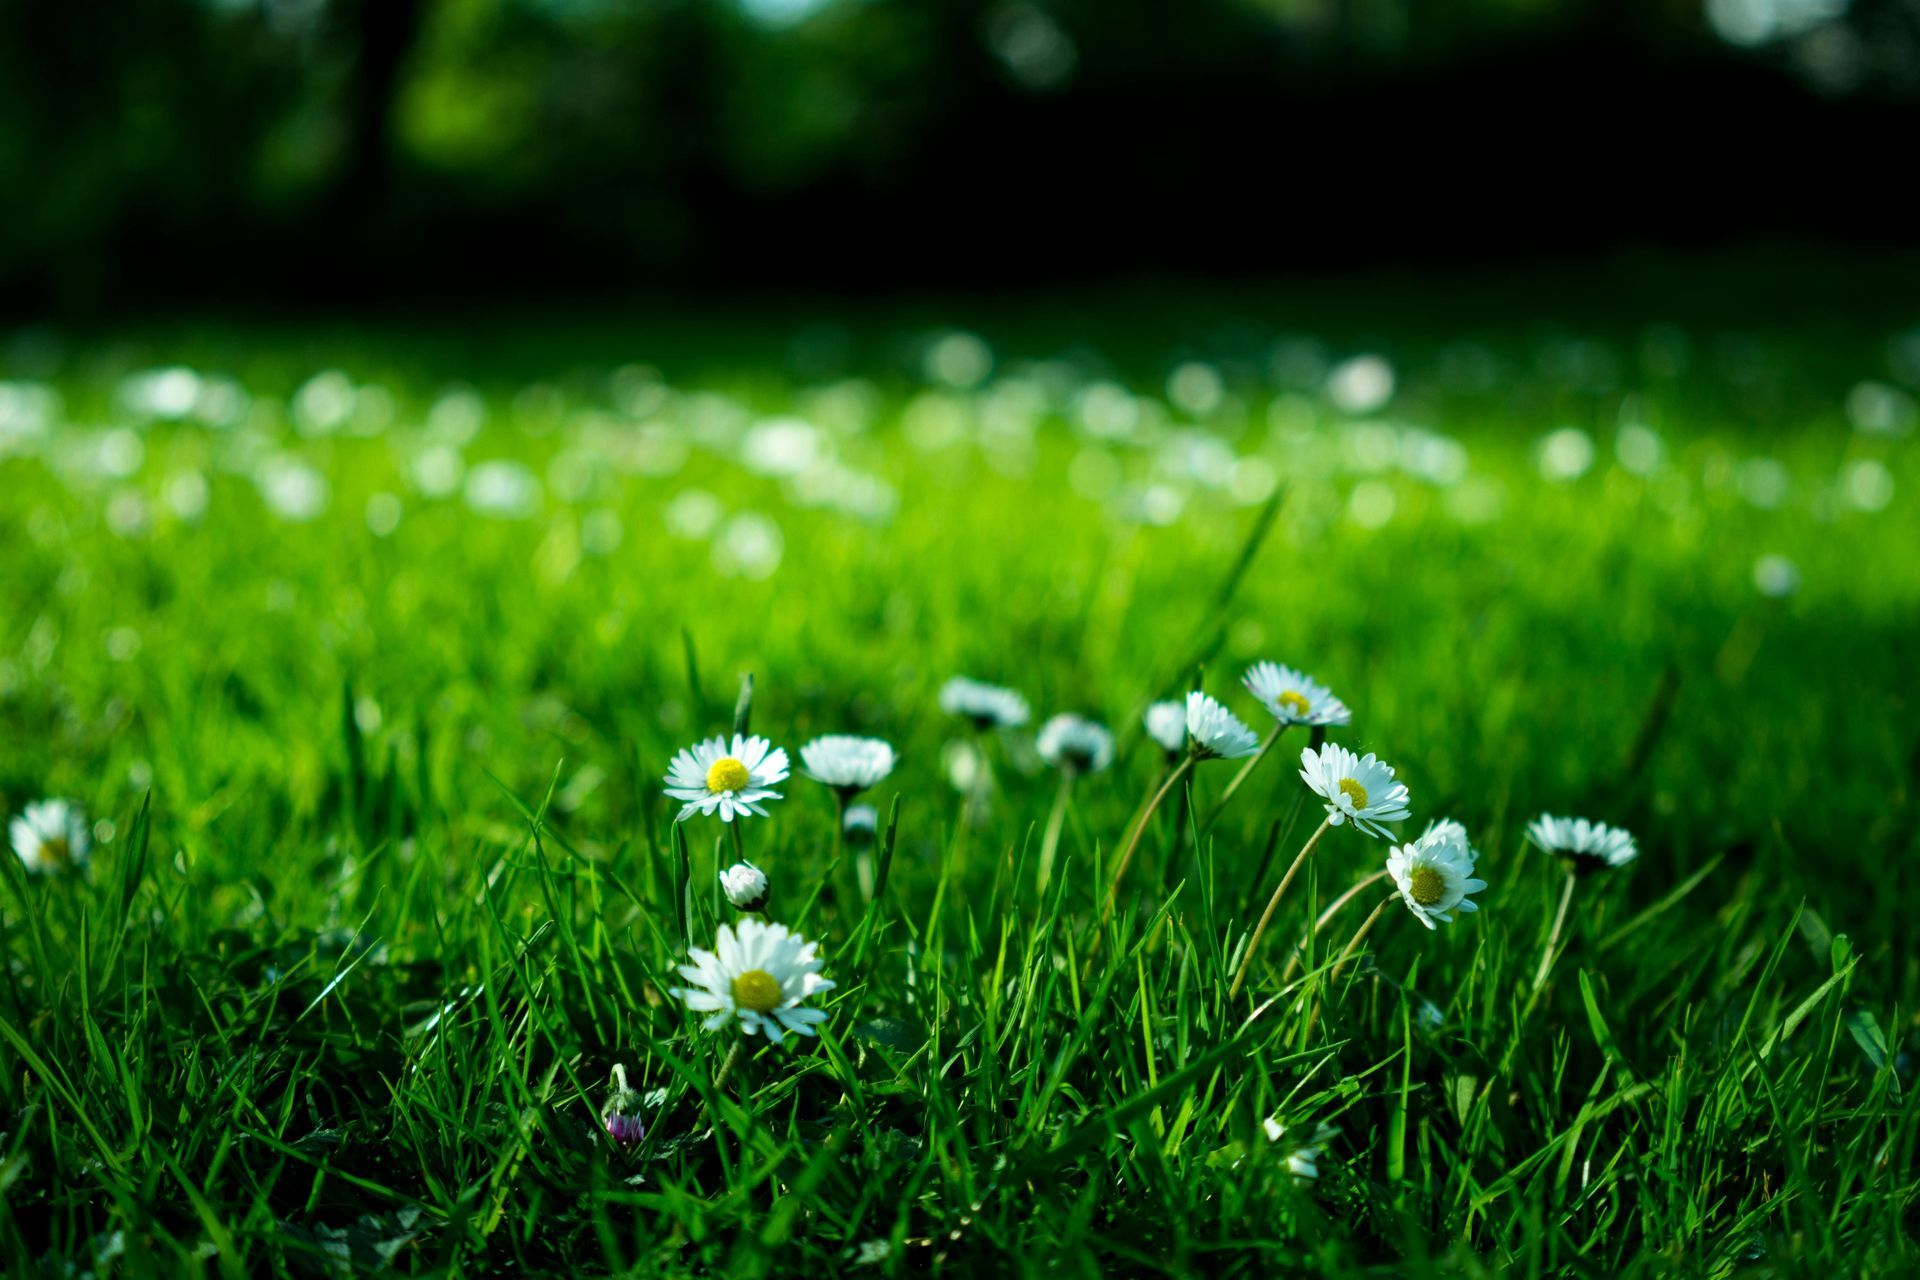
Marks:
<point>926,794</point>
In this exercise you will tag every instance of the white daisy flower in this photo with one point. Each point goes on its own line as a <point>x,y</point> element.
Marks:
<point>1303,1160</point>
<point>1357,789</point>
<point>1435,873</point>
<point>1294,697</point>
<point>1075,742</point>
<point>745,886</point>
<point>1167,725</point>
<point>729,779</point>
<point>1591,845</point>
<point>847,763</point>
<point>1215,732</point>
<point>861,825</point>
<point>51,836</point>
<point>988,706</point>
<point>760,974</point>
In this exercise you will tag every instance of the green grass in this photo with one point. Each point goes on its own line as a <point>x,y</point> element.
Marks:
<point>346,997</point>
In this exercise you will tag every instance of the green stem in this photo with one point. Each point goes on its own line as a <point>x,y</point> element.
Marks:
<point>1050,843</point>
<point>1273,903</point>
<point>1126,858</point>
<point>1313,932</point>
<point>1246,771</point>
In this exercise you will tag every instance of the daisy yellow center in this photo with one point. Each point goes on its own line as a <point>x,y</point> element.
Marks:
<point>727,774</point>
<point>1354,792</point>
<point>56,851</point>
<point>1294,703</point>
<point>756,989</point>
<point>1426,885</point>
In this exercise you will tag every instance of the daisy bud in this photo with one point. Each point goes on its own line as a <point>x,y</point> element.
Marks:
<point>746,886</point>
<point>862,825</point>
<point>622,1116</point>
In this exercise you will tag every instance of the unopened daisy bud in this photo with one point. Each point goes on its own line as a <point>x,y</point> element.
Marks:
<point>746,886</point>
<point>621,1118</point>
<point>861,826</point>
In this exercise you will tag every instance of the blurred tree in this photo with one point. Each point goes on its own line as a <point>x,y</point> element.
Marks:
<point>296,147</point>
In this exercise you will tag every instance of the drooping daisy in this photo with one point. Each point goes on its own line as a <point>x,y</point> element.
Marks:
<point>1435,874</point>
<point>1357,789</point>
<point>847,763</point>
<point>1215,732</point>
<point>1075,742</point>
<point>861,825</point>
<point>760,974</point>
<point>1590,845</point>
<point>745,886</point>
<point>731,779</point>
<point>622,1115</point>
<point>1167,725</point>
<point>987,706</point>
<point>1294,697</point>
<point>51,836</point>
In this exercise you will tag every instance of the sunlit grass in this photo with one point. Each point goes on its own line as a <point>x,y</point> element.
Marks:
<point>402,652</point>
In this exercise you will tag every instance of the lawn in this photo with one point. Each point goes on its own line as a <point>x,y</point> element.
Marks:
<point>365,650</point>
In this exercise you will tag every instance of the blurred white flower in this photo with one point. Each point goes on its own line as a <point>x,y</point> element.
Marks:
<point>847,763</point>
<point>1775,576</point>
<point>1075,742</point>
<point>1167,725</point>
<point>987,706</point>
<point>51,836</point>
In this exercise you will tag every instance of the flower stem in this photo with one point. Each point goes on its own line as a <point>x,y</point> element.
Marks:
<point>1273,903</point>
<point>1547,957</point>
<point>1126,858</point>
<point>1313,932</point>
<point>726,1068</point>
<point>1050,843</point>
<point>1359,935</point>
<point>1246,770</point>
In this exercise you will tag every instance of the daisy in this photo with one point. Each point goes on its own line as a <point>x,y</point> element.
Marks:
<point>1435,873</point>
<point>1075,742</point>
<point>51,836</point>
<point>711,777</point>
<point>1167,725</point>
<point>760,974</point>
<point>846,763</point>
<point>1303,1160</point>
<point>745,886</point>
<point>1357,789</point>
<point>1294,697</point>
<point>1215,732</point>
<point>988,706</point>
<point>622,1115</point>
<point>1591,845</point>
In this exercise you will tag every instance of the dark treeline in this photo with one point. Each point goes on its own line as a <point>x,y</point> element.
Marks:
<point>367,149</point>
